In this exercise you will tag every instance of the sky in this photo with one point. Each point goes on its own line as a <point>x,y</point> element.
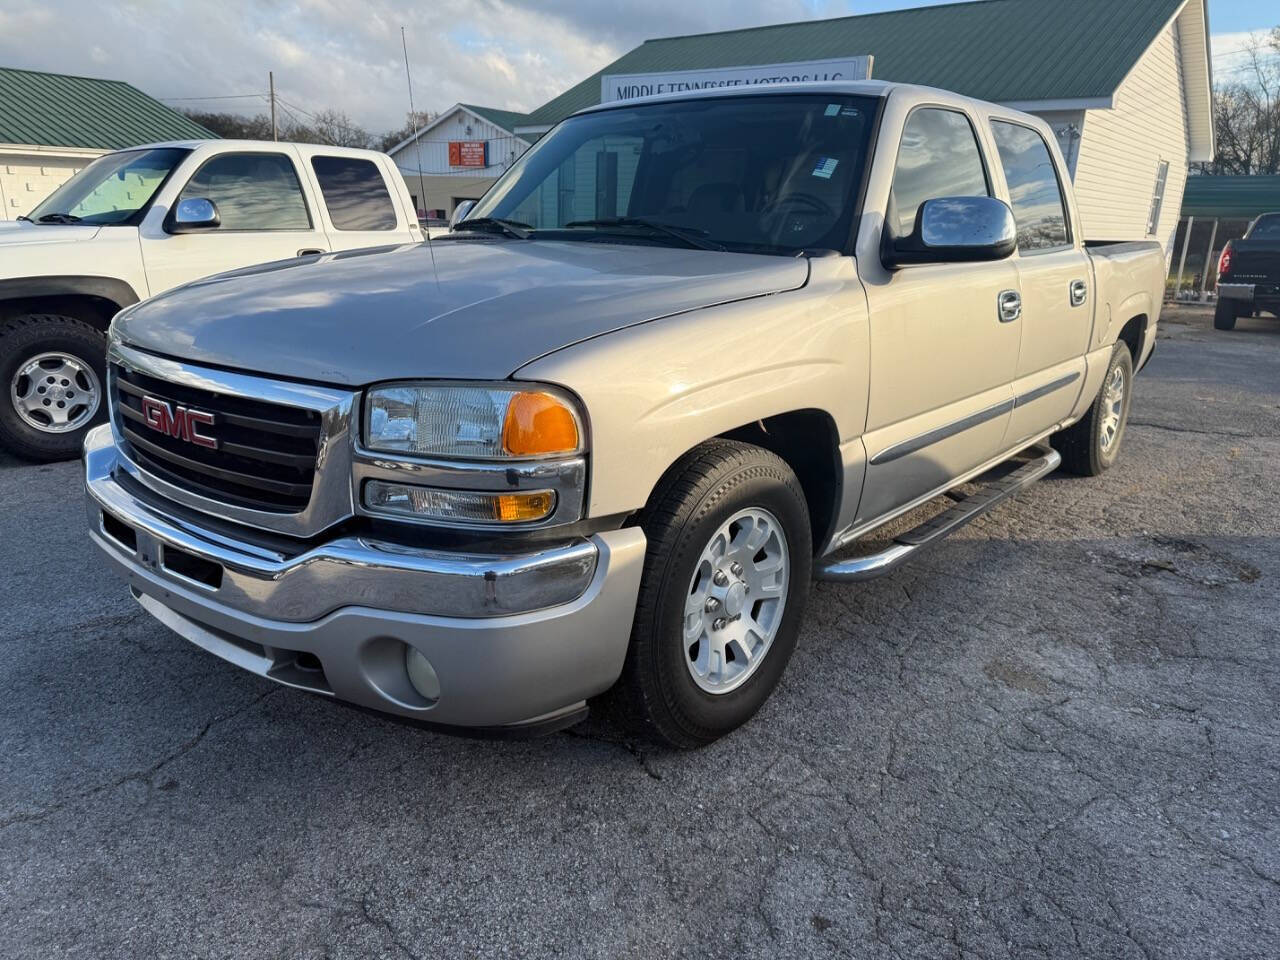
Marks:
<point>346,54</point>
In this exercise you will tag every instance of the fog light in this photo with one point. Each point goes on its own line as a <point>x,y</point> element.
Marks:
<point>435,504</point>
<point>421,674</point>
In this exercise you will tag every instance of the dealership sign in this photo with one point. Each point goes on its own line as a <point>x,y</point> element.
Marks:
<point>627,86</point>
<point>468,153</point>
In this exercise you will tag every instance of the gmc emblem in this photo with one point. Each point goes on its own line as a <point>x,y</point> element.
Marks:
<point>181,423</point>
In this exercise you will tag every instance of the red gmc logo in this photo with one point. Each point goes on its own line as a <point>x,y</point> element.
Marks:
<point>179,422</point>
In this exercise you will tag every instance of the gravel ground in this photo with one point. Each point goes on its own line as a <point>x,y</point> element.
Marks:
<point>1056,735</point>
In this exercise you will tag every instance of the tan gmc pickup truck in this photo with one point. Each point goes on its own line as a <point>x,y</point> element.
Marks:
<point>598,440</point>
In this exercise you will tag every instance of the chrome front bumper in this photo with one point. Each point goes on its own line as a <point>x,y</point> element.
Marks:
<point>513,639</point>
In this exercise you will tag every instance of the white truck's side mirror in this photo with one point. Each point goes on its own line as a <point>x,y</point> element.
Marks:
<point>194,214</point>
<point>460,212</point>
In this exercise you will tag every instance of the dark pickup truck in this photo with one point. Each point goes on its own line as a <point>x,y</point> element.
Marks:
<point>1249,273</point>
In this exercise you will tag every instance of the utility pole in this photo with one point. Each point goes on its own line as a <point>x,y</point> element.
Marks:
<point>271,84</point>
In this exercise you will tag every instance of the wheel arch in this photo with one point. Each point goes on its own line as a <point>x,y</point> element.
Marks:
<point>94,300</point>
<point>807,440</point>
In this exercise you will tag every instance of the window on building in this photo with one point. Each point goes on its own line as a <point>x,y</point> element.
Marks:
<point>355,193</point>
<point>252,191</point>
<point>1157,198</point>
<point>938,157</point>
<point>1034,191</point>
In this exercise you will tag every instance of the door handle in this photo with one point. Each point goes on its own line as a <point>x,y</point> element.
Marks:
<point>1009,305</point>
<point>1079,292</point>
<point>308,251</point>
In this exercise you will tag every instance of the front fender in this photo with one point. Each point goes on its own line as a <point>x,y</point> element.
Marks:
<point>656,390</point>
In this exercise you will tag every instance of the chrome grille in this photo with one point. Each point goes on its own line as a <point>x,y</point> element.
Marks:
<point>266,453</point>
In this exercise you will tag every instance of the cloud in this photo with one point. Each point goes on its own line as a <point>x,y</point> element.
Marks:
<point>515,54</point>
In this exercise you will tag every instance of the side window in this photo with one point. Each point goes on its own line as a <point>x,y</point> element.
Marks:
<point>1157,197</point>
<point>1034,192</point>
<point>938,157</point>
<point>252,191</point>
<point>355,193</point>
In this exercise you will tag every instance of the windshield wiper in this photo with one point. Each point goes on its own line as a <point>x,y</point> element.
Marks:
<point>512,228</point>
<point>686,235</point>
<point>26,218</point>
<point>58,218</point>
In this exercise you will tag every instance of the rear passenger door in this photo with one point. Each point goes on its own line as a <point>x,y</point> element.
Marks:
<point>358,207</point>
<point>1056,280</point>
<point>941,358</point>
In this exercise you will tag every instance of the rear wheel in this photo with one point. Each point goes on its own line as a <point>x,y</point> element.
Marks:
<point>1225,314</point>
<point>1092,444</point>
<point>52,371</point>
<point>726,579</point>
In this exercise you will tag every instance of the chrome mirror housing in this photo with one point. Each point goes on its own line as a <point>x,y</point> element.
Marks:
<point>956,230</point>
<point>194,213</point>
<point>460,212</point>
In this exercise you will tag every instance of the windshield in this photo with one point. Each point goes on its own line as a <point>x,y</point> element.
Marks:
<point>1267,228</point>
<point>111,189</point>
<point>761,174</point>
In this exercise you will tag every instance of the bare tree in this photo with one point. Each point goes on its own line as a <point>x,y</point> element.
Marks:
<point>1247,112</point>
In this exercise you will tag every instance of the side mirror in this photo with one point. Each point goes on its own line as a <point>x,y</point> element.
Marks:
<point>460,212</point>
<point>955,230</point>
<point>194,214</point>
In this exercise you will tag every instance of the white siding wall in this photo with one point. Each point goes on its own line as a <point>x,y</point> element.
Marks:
<point>26,179</point>
<point>1121,148</point>
<point>434,147</point>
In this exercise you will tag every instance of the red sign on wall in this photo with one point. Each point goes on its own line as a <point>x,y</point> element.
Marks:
<point>468,153</point>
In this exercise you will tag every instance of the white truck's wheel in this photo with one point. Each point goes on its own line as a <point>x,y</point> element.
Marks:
<point>726,578</point>
<point>52,371</point>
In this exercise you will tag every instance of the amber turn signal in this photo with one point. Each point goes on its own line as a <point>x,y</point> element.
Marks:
<point>538,424</point>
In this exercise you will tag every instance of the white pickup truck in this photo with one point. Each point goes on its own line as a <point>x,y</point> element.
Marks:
<point>137,222</point>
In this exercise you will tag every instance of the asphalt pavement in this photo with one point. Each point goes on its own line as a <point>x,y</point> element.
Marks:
<point>1057,735</point>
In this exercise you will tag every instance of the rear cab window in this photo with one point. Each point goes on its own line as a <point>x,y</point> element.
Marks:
<point>1034,191</point>
<point>355,193</point>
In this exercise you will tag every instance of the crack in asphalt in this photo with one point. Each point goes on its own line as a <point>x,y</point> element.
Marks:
<point>141,776</point>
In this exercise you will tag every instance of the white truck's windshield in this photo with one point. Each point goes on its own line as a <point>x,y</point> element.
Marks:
<point>112,189</point>
<point>761,174</point>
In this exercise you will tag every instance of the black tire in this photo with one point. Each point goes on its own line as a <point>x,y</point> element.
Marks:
<point>704,490</point>
<point>24,338</point>
<point>1225,314</point>
<point>1081,444</point>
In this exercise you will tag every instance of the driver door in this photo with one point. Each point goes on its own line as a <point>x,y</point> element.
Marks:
<point>264,216</point>
<point>942,359</point>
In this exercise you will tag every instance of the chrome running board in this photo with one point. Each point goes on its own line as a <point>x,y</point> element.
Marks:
<point>907,544</point>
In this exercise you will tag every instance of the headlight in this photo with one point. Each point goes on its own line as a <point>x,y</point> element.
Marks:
<point>496,422</point>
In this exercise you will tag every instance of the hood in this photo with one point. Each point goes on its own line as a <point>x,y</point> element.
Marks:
<point>487,308</point>
<point>18,232</point>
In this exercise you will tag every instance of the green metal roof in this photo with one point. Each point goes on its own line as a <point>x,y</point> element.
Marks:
<point>1236,197</point>
<point>506,119</point>
<point>53,110</point>
<point>1001,50</point>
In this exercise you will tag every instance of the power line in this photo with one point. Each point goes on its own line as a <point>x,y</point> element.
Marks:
<point>231,96</point>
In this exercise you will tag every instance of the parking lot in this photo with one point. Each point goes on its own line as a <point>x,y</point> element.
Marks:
<point>1056,735</point>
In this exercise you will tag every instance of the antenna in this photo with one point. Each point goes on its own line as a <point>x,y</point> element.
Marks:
<point>417,153</point>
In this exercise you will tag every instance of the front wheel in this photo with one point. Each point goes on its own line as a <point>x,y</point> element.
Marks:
<point>725,583</point>
<point>52,371</point>
<point>1092,444</point>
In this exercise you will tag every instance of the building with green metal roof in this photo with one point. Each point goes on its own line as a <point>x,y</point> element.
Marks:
<point>1215,211</point>
<point>1126,86</point>
<point>51,125</point>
